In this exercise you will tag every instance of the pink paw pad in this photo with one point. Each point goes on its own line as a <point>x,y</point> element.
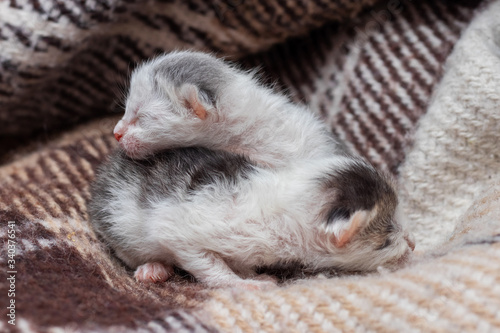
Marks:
<point>153,272</point>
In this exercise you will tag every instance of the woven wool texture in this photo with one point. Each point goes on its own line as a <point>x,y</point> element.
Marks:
<point>411,86</point>
<point>453,287</point>
<point>61,60</point>
<point>371,80</point>
<point>456,151</point>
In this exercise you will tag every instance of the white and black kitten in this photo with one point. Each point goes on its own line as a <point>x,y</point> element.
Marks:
<point>220,176</point>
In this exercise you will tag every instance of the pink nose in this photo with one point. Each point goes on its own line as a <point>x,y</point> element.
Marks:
<point>118,136</point>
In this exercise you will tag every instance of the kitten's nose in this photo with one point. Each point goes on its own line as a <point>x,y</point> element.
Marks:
<point>119,130</point>
<point>410,240</point>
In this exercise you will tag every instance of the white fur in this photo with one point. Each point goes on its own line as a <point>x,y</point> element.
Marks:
<point>248,119</point>
<point>276,216</point>
<point>223,233</point>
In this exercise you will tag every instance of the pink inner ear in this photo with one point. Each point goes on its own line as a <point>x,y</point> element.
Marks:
<point>199,110</point>
<point>194,104</point>
<point>344,238</point>
<point>355,224</point>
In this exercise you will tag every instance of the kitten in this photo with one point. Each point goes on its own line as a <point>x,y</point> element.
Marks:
<point>270,186</point>
<point>220,216</point>
<point>186,99</point>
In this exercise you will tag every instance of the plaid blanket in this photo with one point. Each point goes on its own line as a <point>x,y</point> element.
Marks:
<point>414,87</point>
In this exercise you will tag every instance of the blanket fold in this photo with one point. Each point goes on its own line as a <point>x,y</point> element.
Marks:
<point>61,61</point>
<point>413,88</point>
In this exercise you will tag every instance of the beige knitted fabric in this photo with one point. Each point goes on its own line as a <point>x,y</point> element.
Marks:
<point>453,288</point>
<point>60,61</point>
<point>456,154</point>
<point>370,75</point>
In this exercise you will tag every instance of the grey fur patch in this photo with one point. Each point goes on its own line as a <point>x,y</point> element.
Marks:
<point>359,186</point>
<point>209,74</point>
<point>180,172</point>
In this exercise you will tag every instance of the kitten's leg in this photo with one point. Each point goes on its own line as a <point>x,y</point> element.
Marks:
<point>212,270</point>
<point>153,272</point>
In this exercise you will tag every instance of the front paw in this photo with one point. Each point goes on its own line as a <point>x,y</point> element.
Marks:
<point>153,272</point>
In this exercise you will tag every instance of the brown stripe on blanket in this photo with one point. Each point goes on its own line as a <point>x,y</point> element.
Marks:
<point>392,80</point>
<point>66,276</point>
<point>37,95</point>
<point>57,286</point>
<point>375,101</point>
<point>444,294</point>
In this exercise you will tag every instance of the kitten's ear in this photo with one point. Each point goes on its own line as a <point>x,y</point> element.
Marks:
<point>342,230</point>
<point>191,99</point>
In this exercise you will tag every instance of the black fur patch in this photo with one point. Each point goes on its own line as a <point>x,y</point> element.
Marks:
<point>358,186</point>
<point>338,213</point>
<point>181,171</point>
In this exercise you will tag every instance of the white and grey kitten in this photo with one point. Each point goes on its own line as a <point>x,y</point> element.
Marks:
<point>220,176</point>
<point>187,99</point>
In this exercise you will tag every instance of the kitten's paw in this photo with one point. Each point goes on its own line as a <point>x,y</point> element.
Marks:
<point>153,272</point>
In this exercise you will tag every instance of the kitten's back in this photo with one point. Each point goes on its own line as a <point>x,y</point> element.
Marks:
<point>174,174</point>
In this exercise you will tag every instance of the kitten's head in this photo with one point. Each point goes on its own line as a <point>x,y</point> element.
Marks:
<point>359,224</point>
<point>168,100</point>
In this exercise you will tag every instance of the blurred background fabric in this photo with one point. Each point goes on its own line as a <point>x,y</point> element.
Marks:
<point>412,86</point>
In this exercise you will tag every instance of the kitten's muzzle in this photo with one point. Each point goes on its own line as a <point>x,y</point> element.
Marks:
<point>119,130</point>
